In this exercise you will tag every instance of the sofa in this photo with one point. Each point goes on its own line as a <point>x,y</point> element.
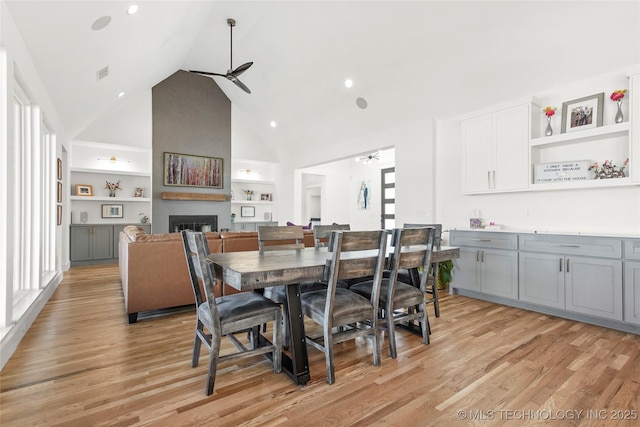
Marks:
<point>153,269</point>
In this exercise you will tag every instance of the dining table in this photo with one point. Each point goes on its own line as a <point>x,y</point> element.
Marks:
<point>253,270</point>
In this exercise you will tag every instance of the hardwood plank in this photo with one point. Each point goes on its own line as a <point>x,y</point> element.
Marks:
<point>86,365</point>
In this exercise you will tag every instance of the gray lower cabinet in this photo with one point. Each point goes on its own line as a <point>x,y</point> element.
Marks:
<point>251,225</point>
<point>95,244</point>
<point>91,242</point>
<point>590,278</point>
<point>541,279</point>
<point>483,266</point>
<point>553,272</point>
<point>632,292</point>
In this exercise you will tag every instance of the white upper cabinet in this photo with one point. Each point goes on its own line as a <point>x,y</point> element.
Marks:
<point>495,149</point>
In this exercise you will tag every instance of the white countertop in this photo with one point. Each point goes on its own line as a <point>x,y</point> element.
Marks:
<point>617,234</point>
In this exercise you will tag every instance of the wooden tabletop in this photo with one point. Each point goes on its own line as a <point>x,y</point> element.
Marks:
<point>254,270</point>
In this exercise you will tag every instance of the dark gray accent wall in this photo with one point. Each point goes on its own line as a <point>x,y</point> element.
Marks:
<point>191,115</point>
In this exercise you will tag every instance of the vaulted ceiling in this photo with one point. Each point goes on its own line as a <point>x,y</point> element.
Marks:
<point>409,60</point>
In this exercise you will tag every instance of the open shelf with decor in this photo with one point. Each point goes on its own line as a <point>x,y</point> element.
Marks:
<point>601,152</point>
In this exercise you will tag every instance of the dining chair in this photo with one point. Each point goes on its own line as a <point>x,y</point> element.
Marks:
<point>321,233</point>
<point>226,315</point>
<point>345,315</point>
<point>432,279</point>
<point>403,302</point>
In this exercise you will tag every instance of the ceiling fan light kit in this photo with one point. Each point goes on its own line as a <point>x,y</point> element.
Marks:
<point>231,74</point>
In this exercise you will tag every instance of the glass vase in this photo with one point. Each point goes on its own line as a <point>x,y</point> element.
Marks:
<point>548,131</point>
<point>112,193</point>
<point>619,115</point>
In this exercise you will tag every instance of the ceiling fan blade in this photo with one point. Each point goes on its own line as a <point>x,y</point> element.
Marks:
<point>238,83</point>
<point>207,73</point>
<point>241,69</point>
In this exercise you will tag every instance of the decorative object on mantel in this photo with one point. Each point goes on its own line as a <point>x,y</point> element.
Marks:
<point>248,193</point>
<point>608,170</point>
<point>144,218</point>
<point>233,217</point>
<point>112,187</point>
<point>617,96</point>
<point>582,113</point>
<point>549,112</point>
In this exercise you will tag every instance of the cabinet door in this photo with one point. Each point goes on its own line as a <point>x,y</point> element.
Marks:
<point>80,243</point>
<point>511,131</point>
<point>499,273</point>
<point>541,279</point>
<point>477,151</point>
<point>102,242</point>
<point>465,270</point>
<point>632,292</point>
<point>594,286</point>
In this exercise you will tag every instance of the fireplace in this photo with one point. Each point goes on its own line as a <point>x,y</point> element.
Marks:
<point>177,223</point>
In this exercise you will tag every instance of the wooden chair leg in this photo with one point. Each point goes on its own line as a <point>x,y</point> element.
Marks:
<point>424,323</point>
<point>213,364</point>
<point>391,328</point>
<point>278,343</point>
<point>328,347</point>
<point>197,344</point>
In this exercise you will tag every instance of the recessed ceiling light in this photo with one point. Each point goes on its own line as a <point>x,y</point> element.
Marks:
<point>100,23</point>
<point>348,83</point>
<point>273,124</point>
<point>121,94</point>
<point>132,9</point>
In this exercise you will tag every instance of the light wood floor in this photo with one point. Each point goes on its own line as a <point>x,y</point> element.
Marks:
<point>81,364</point>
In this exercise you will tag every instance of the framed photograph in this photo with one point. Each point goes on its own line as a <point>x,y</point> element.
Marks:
<point>583,113</point>
<point>59,169</point>
<point>185,170</point>
<point>247,211</point>
<point>59,192</point>
<point>84,190</point>
<point>59,216</point>
<point>266,197</point>
<point>139,192</point>
<point>112,211</point>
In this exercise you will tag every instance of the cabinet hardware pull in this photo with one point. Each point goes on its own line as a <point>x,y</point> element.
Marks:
<point>481,240</point>
<point>477,256</point>
<point>560,245</point>
<point>482,257</point>
<point>494,179</point>
<point>489,179</point>
<point>567,265</point>
<point>560,259</point>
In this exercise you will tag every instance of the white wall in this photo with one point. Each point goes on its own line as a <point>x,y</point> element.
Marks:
<point>613,210</point>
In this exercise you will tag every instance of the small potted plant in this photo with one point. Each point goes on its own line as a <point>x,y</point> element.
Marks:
<point>444,273</point>
<point>144,218</point>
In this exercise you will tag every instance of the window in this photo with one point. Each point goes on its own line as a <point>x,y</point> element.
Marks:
<point>388,211</point>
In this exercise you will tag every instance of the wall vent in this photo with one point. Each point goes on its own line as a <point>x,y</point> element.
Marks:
<point>102,73</point>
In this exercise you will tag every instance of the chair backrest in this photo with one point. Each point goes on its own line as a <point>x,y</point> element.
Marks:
<point>412,248</point>
<point>196,250</point>
<point>321,233</point>
<point>280,238</point>
<point>438,236</point>
<point>356,254</point>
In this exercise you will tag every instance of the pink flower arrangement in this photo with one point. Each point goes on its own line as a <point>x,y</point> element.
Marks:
<point>549,111</point>
<point>617,95</point>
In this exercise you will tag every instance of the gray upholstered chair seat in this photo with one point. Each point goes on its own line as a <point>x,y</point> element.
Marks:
<point>232,308</point>
<point>403,294</point>
<point>347,305</point>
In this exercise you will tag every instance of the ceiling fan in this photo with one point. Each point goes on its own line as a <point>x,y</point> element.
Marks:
<point>231,74</point>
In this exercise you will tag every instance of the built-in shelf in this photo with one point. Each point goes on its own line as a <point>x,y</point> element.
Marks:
<point>251,202</point>
<point>110,171</point>
<point>618,129</point>
<point>587,183</point>
<point>111,199</point>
